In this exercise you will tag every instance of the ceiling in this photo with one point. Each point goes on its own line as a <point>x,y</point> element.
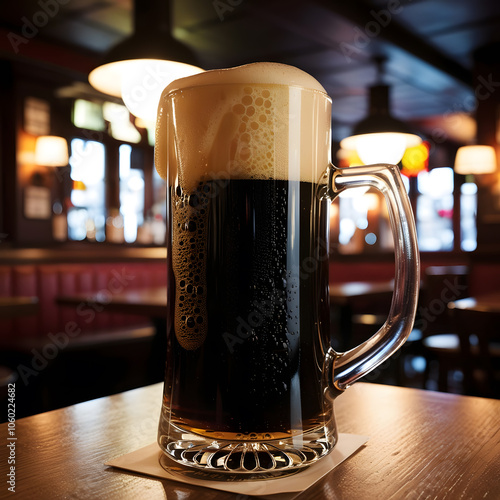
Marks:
<point>428,45</point>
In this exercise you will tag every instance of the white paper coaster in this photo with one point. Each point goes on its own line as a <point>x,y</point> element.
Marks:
<point>147,461</point>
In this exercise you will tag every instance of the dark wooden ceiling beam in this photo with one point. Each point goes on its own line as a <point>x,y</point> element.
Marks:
<point>71,60</point>
<point>360,12</point>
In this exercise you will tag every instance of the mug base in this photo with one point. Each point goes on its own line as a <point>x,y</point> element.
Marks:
<point>244,460</point>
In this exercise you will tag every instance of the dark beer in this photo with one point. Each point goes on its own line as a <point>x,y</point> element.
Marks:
<point>249,308</point>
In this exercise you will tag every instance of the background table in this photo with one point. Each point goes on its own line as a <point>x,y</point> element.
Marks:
<point>346,297</point>
<point>489,303</point>
<point>145,302</point>
<point>151,302</point>
<point>18,306</point>
<point>422,445</point>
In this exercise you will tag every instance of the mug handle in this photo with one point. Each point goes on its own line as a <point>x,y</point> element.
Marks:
<point>345,368</point>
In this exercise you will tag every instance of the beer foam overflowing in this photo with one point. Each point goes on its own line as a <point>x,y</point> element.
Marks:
<point>249,122</point>
<point>262,73</point>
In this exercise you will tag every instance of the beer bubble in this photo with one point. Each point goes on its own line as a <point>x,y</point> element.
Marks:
<point>250,111</point>
<point>193,201</point>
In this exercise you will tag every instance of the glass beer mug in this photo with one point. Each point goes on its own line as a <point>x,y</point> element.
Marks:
<point>251,376</point>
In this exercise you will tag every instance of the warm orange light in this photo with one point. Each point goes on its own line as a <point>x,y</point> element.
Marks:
<point>475,160</point>
<point>380,147</point>
<point>51,151</point>
<point>415,160</point>
<point>348,158</point>
<point>79,186</point>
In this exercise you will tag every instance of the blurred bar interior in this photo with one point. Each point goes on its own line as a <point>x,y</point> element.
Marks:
<point>83,210</point>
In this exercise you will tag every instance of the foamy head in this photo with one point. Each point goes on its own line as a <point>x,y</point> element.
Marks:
<point>258,121</point>
<point>260,73</point>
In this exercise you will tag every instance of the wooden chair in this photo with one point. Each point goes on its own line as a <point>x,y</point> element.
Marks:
<point>479,334</point>
<point>440,343</point>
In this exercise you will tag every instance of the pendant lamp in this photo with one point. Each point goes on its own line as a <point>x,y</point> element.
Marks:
<point>142,65</point>
<point>380,138</point>
<point>51,151</point>
<point>475,160</point>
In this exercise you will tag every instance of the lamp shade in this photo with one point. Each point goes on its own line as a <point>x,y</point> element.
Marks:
<point>139,82</point>
<point>380,138</point>
<point>475,160</point>
<point>51,151</point>
<point>141,66</point>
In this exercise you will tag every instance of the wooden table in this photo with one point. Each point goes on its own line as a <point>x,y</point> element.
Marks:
<point>145,302</point>
<point>483,303</point>
<point>343,299</point>
<point>151,302</point>
<point>18,306</point>
<point>423,444</point>
<point>342,294</point>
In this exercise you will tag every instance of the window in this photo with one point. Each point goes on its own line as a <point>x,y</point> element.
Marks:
<point>131,194</point>
<point>110,198</point>
<point>468,212</point>
<point>434,218</point>
<point>362,224</point>
<point>120,126</point>
<point>88,115</point>
<point>86,217</point>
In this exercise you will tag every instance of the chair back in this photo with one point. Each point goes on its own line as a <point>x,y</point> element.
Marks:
<point>479,333</point>
<point>441,285</point>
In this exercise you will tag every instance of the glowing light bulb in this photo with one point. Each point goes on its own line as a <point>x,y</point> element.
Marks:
<point>385,147</point>
<point>143,81</point>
